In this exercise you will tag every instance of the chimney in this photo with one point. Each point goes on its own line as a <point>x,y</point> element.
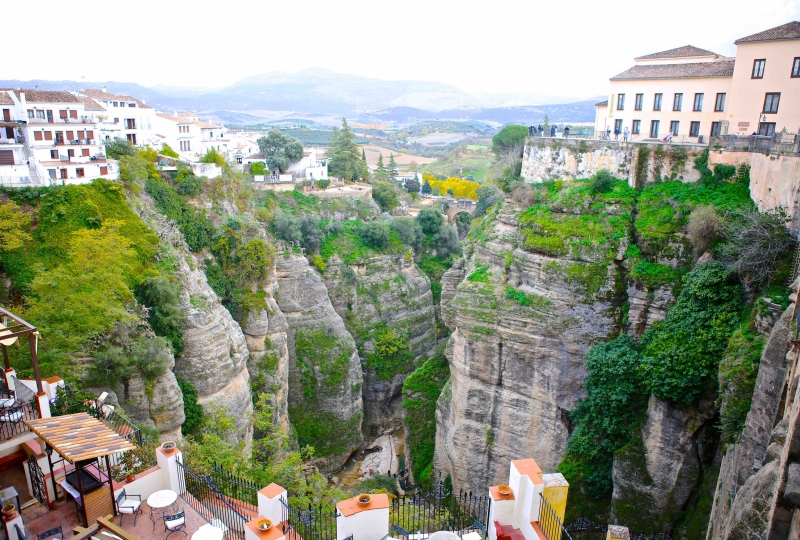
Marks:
<point>104,88</point>
<point>22,101</point>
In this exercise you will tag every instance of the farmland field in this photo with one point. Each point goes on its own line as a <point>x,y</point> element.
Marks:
<point>403,160</point>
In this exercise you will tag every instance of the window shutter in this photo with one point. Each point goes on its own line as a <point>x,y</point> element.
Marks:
<point>70,135</point>
<point>7,115</point>
<point>73,114</point>
<point>62,114</point>
<point>103,171</point>
<point>48,135</point>
<point>37,135</point>
<point>6,157</point>
<point>85,152</point>
<point>90,134</point>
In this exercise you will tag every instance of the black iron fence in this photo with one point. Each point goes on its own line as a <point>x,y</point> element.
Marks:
<point>440,511</point>
<point>120,424</point>
<point>549,522</point>
<point>242,492</point>
<point>587,529</point>
<point>202,494</point>
<point>310,523</point>
<point>20,406</point>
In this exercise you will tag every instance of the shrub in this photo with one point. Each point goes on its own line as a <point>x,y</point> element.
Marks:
<point>319,262</point>
<point>408,230</point>
<point>430,220</point>
<point>323,183</point>
<point>186,183</point>
<point>166,150</point>
<point>723,172</point>
<point>212,156</point>
<point>312,236</point>
<point>481,274</point>
<point>253,259</point>
<point>705,227</point>
<point>525,194</point>
<point>375,235</point>
<point>151,357</point>
<point>601,182</point>
<point>163,295</point>
<point>258,167</point>
<point>447,242</point>
<point>487,197</point>
<point>463,221</point>
<point>753,243</point>
<point>196,229</point>
<point>385,195</point>
<point>118,148</point>
<point>192,411</point>
<point>287,227</point>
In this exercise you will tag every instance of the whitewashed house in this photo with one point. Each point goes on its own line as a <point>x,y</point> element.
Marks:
<point>313,166</point>
<point>180,133</point>
<point>124,117</point>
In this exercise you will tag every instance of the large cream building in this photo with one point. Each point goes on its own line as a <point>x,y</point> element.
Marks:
<point>694,93</point>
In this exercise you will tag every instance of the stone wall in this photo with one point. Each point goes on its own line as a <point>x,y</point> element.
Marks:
<point>638,163</point>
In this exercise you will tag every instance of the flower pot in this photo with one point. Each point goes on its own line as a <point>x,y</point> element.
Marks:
<point>364,499</point>
<point>504,490</point>
<point>264,525</point>
<point>169,447</point>
<point>9,512</point>
<point>130,478</point>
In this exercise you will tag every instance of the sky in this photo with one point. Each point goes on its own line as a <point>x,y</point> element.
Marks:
<point>564,48</point>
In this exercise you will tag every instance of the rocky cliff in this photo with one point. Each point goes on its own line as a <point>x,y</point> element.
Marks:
<point>385,293</point>
<point>324,371</point>
<point>521,324</point>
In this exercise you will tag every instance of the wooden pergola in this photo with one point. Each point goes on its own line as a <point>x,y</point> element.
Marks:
<point>81,440</point>
<point>12,328</point>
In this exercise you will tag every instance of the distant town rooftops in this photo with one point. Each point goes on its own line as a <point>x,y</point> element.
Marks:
<point>206,124</point>
<point>718,68</point>
<point>176,119</point>
<point>785,31</point>
<point>679,52</point>
<point>45,96</point>
<point>106,96</point>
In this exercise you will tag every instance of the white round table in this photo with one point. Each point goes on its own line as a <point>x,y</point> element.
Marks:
<point>208,532</point>
<point>160,501</point>
<point>444,535</point>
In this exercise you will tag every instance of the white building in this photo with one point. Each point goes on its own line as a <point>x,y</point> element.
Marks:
<point>313,165</point>
<point>180,133</point>
<point>50,137</point>
<point>124,117</point>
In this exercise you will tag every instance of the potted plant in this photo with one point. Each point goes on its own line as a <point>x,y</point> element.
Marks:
<point>169,447</point>
<point>264,525</point>
<point>364,499</point>
<point>9,510</point>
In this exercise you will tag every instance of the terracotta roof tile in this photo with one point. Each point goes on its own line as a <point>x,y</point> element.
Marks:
<point>206,124</point>
<point>602,104</point>
<point>46,96</point>
<point>5,98</point>
<point>91,105</point>
<point>176,119</point>
<point>99,94</point>
<point>719,68</point>
<point>679,52</point>
<point>785,31</point>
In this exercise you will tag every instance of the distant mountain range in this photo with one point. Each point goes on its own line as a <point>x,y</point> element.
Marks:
<point>319,93</point>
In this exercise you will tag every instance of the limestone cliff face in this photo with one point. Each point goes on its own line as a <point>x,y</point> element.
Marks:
<point>324,372</point>
<point>516,370</point>
<point>384,291</point>
<point>215,355</point>
<point>752,468</point>
<point>655,475</point>
<point>647,307</point>
<point>267,340</point>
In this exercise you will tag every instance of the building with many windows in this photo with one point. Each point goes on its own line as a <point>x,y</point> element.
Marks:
<point>693,93</point>
<point>124,117</point>
<point>50,137</point>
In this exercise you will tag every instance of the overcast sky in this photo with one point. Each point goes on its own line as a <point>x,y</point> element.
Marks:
<point>566,48</point>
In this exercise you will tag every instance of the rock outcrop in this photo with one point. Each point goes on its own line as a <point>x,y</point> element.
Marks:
<point>384,292</point>
<point>516,370</point>
<point>325,378</point>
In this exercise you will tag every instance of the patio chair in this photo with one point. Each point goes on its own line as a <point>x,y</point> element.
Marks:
<point>12,416</point>
<point>55,531</point>
<point>127,505</point>
<point>7,398</point>
<point>175,523</point>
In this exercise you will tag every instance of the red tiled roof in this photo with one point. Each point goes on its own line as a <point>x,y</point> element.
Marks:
<point>679,52</point>
<point>719,68</point>
<point>175,119</point>
<point>206,124</point>
<point>602,104</point>
<point>99,94</point>
<point>91,105</point>
<point>46,96</point>
<point>5,98</point>
<point>785,31</point>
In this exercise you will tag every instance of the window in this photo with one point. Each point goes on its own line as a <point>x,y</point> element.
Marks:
<point>64,174</point>
<point>73,114</point>
<point>79,172</point>
<point>71,153</point>
<point>673,127</point>
<point>52,173</point>
<point>716,129</point>
<point>104,170</point>
<point>40,114</point>
<point>70,135</point>
<point>637,127</point>
<point>637,105</point>
<point>62,114</point>
<point>677,102</point>
<point>771,101</point>
<point>89,134</point>
<point>694,129</point>
<point>30,113</point>
<point>114,104</point>
<point>758,68</point>
<point>48,135</point>
<point>654,125</point>
<point>53,154</point>
<point>621,102</point>
<point>719,104</point>
<point>130,123</point>
<point>38,136</point>
<point>698,102</point>
<point>766,128</point>
<point>131,104</point>
<point>617,127</point>
<point>132,138</point>
<point>796,67</point>
<point>657,102</point>
<point>85,152</point>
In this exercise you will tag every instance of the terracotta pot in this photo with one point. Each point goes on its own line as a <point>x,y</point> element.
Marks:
<point>130,478</point>
<point>364,499</point>
<point>9,512</point>
<point>169,447</point>
<point>264,525</point>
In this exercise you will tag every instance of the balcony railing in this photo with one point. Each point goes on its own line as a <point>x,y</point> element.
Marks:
<point>62,121</point>
<point>75,142</point>
<point>13,417</point>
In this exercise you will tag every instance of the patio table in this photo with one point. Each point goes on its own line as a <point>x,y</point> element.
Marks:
<point>160,502</point>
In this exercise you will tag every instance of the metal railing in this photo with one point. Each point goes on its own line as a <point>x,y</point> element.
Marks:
<point>202,494</point>
<point>440,511</point>
<point>309,524</point>
<point>244,494</point>
<point>120,424</point>
<point>549,522</point>
<point>61,121</point>
<point>13,418</point>
<point>787,143</point>
<point>13,181</point>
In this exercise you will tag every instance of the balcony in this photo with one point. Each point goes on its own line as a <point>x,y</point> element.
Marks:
<point>75,142</point>
<point>16,141</point>
<point>61,121</point>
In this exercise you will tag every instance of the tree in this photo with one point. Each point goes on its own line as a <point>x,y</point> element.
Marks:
<point>408,230</point>
<point>375,235</point>
<point>363,155</point>
<point>118,147</point>
<point>323,183</point>
<point>162,295</point>
<point>446,241</point>
<point>166,150</point>
<point>430,220</point>
<point>14,225</point>
<point>463,221</point>
<point>258,168</point>
<point>385,195</point>
<point>391,170</point>
<point>345,159</point>
<point>253,259</point>
<point>287,227</point>
<point>280,150</point>
<point>508,144</point>
<point>312,236</point>
<point>380,169</point>
<point>412,186</point>
<point>426,188</point>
